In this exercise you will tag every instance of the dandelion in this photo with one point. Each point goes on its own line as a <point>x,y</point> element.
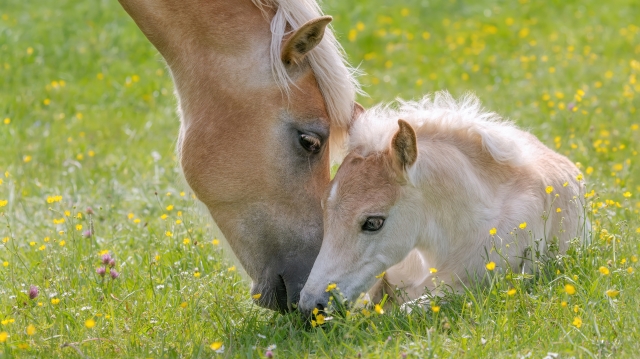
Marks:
<point>78,227</point>
<point>612,293</point>
<point>563,304</point>
<point>31,329</point>
<point>215,242</point>
<point>215,346</point>
<point>183,305</point>
<point>62,243</point>
<point>511,292</point>
<point>433,270</point>
<point>33,292</point>
<point>320,319</point>
<point>435,308</point>
<point>168,234</point>
<point>627,194</point>
<point>170,207</point>
<point>164,216</point>
<point>90,323</point>
<point>493,231</point>
<point>523,225</point>
<point>3,202</point>
<point>603,270</point>
<point>378,309</point>
<point>196,274</point>
<point>569,289</point>
<point>5,264</point>
<point>55,301</point>
<point>577,322</point>
<point>579,177</point>
<point>186,241</point>
<point>630,270</point>
<point>491,266</point>
<point>3,337</point>
<point>549,189</point>
<point>330,287</point>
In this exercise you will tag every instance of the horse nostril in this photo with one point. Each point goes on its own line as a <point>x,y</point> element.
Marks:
<point>320,306</point>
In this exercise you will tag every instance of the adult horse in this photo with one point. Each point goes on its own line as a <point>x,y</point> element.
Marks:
<point>264,95</point>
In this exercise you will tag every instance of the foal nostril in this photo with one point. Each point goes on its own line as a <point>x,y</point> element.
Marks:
<point>320,307</point>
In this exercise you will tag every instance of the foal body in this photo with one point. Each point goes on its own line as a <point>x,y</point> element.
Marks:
<point>434,198</point>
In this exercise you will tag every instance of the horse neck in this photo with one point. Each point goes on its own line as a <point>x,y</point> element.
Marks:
<point>217,51</point>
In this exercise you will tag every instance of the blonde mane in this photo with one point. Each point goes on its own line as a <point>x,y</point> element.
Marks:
<point>336,78</point>
<point>372,132</point>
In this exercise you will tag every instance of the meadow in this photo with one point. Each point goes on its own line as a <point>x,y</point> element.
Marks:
<point>87,169</point>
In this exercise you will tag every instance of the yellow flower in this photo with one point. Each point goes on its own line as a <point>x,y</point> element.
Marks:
<point>320,319</point>
<point>381,275</point>
<point>563,304</point>
<point>5,264</point>
<point>42,247</point>
<point>565,184</point>
<point>31,329</point>
<point>523,225</point>
<point>196,274</point>
<point>330,287</point>
<point>137,220</point>
<point>215,346</point>
<point>7,121</point>
<point>186,241</point>
<point>634,258</point>
<point>379,309</point>
<point>164,216</point>
<point>493,231</point>
<point>90,323</point>
<point>182,194</point>
<point>549,189</point>
<point>558,209</point>
<point>78,227</point>
<point>5,239</point>
<point>612,293</point>
<point>577,322</point>
<point>603,270</point>
<point>23,346</point>
<point>62,243</point>
<point>256,296</point>
<point>627,194</point>
<point>215,242</point>
<point>183,305</point>
<point>170,207</point>
<point>55,301</point>
<point>32,244</point>
<point>570,289</point>
<point>491,266</point>
<point>511,291</point>
<point>3,203</point>
<point>3,337</point>
<point>231,269</point>
<point>630,270</point>
<point>168,234</point>
<point>435,308</point>
<point>433,270</point>
<point>178,221</point>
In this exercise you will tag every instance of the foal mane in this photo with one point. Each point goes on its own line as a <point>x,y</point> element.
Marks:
<point>335,77</point>
<point>444,115</point>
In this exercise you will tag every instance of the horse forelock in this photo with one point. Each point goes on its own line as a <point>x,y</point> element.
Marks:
<point>372,132</point>
<point>335,77</point>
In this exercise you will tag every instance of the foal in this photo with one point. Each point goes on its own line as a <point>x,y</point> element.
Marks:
<point>439,194</point>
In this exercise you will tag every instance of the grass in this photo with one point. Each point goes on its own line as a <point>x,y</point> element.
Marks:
<point>87,113</point>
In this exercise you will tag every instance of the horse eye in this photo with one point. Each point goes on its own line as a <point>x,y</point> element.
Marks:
<point>310,143</point>
<point>373,224</point>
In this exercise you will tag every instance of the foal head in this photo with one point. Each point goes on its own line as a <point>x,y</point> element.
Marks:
<point>367,221</point>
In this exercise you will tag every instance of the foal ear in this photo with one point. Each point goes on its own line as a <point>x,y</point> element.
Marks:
<point>404,145</point>
<point>304,40</point>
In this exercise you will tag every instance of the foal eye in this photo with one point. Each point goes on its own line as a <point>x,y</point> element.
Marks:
<point>310,143</point>
<point>373,224</point>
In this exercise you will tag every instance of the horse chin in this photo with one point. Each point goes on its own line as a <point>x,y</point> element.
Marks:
<point>277,294</point>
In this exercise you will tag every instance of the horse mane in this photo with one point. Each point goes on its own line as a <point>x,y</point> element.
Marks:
<point>372,132</point>
<point>335,77</point>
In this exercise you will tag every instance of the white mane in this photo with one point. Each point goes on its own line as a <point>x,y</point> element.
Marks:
<point>372,132</point>
<point>334,75</point>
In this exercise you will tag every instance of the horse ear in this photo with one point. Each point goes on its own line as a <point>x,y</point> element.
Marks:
<point>404,145</point>
<point>304,40</point>
<point>356,112</point>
